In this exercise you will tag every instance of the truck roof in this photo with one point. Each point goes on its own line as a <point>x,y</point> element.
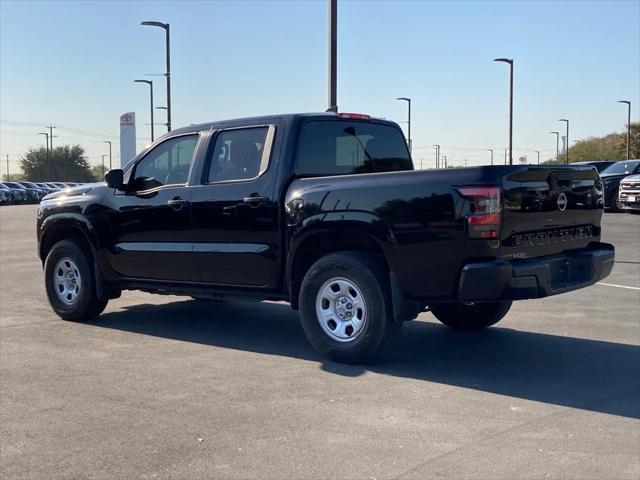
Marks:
<point>263,120</point>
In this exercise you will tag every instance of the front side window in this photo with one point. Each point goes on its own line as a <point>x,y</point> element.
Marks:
<point>166,164</point>
<point>239,154</point>
<point>341,147</point>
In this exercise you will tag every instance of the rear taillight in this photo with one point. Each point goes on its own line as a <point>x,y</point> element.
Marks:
<point>486,213</point>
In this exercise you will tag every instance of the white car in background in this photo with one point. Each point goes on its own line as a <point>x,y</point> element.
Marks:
<point>629,194</point>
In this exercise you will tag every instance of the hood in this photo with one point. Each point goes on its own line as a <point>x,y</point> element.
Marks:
<point>73,191</point>
<point>632,178</point>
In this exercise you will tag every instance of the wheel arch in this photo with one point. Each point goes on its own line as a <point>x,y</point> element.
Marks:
<point>315,243</point>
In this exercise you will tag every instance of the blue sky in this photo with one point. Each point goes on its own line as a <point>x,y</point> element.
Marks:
<point>73,64</point>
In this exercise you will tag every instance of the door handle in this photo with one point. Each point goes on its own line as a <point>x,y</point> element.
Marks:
<point>254,201</point>
<point>177,203</point>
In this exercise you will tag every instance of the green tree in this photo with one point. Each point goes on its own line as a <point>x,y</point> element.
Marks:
<point>98,172</point>
<point>610,147</point>
<point>65,164</point>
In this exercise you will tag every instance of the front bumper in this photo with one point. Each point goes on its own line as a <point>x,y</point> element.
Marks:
<point>536,277</point>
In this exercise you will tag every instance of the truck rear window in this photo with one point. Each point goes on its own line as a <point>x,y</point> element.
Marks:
<point>347,147</point>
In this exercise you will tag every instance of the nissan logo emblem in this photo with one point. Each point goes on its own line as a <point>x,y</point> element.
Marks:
<point>562,202</point>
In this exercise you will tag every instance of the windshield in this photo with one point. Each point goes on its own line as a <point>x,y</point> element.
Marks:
<point>348,147</point>
<point>622,168</point>
<point>14,185</point>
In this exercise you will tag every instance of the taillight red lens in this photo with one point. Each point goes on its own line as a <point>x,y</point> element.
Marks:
<point>486,212</point>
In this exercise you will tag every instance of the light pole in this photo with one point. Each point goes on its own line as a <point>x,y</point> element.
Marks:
<point>150,83</point>
<point>110,164</point>
<point>510,62</point>
<point>437,156</point>
<point>567,140</point>
<point>491,150</point>
<point>102,171</point>
<point>538,152</point>
<point>445,161</point>
<point>408,100</point>
<point>557,134</point>
<point>168,73</point>
<point>333,56</point>
<point>628,127</point>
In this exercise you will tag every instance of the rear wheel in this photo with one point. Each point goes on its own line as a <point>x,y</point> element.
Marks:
<point>614,202</point>
<point>345,308</point>
<point>470,317</point>
<point>70,283</point>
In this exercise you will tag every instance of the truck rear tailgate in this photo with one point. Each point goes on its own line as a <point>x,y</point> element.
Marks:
<point>548,210</point>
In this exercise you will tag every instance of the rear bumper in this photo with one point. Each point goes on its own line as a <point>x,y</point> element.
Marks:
<point>535,278</point>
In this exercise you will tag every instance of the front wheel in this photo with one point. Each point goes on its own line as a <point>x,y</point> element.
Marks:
<point>70,283</point>
<point>476,316</point>
<point>345,308</point>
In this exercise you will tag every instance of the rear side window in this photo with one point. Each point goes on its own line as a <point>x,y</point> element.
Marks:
<point>239,154</point>
<point>342,148</point>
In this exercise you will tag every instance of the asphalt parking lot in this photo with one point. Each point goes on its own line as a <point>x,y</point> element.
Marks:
<point>166,387</point>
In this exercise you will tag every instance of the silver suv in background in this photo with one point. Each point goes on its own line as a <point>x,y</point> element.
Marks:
<point>629,194</point>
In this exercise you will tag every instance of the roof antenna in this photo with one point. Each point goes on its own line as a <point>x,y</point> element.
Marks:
<point>333,109</point>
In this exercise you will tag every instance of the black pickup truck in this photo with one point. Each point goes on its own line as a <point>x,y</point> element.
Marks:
<point>324,211</point>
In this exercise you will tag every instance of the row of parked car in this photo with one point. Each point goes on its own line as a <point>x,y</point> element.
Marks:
<point>621,182</point>
<point>17,193</point>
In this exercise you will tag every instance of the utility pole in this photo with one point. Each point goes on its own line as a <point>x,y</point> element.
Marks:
<point>491,150</point>
<point>110,162</point>
<point>48,155</point>
<point>538,152</point>
<point>51,127</point>
<point>8,177</point>
<point>333,56</point>
<point>628,127</point>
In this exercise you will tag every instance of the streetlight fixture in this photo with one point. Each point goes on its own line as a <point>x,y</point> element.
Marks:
<point>437,156</point>
<point>165,26</point>
<point>557,134</point>
<point>150,83</point>
<point>510,62</point>
<point>491,150</point>
<point>408,100</point>
<point>110,163</point>
<point>567,139</point>
<point>538,152</point>
<point>628,127</point>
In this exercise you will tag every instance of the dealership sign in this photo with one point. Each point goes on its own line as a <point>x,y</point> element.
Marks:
<point>127,137</point>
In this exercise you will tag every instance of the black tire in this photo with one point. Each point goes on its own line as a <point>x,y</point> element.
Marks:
<point>613,202</point>
<point>378,331</point>
<point>470,317</point>
<point>86,305</point>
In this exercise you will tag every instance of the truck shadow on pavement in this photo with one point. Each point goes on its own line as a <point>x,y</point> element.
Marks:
<point>586,374</point>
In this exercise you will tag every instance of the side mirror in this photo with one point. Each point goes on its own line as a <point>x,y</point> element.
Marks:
<point>115,178</point>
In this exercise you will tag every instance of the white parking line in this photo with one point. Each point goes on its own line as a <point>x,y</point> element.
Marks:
<point>619,286</point>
